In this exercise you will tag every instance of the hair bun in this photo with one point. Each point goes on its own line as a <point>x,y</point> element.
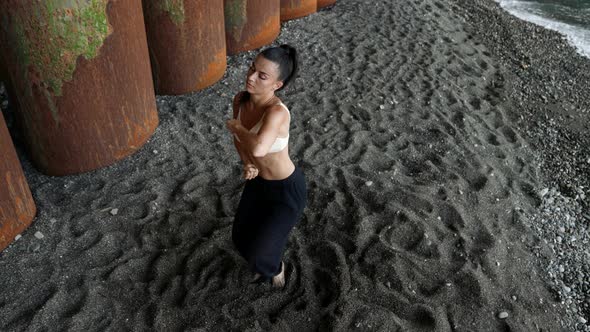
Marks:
<point>286,57</point>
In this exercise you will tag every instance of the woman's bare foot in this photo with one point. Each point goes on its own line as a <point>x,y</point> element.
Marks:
<point>278,281</point>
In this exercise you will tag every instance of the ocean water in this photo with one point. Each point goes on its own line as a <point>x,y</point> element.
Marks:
<point>569,17</point>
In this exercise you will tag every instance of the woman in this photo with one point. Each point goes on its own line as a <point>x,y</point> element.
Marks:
<point>275,193</point>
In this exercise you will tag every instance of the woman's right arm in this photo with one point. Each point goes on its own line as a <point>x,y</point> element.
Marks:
<point>250,169</point>
<point>246,159</point>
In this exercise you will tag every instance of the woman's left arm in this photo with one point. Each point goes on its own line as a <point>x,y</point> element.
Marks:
<point>259,144</point>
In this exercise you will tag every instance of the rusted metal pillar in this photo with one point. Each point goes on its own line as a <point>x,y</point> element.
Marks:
<point>186,39</point>
<point>325,3</point>
<point>250,24</point>
<point>82,79</point>
<point>17,208</point>
<point>292,9</point>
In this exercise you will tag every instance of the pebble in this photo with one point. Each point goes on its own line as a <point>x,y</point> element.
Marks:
<point>114,211</point>
<point>582,320</point>
<point>39,235</point>
<point>155,151</point>
<point>34,247</point>
<point>53,220</point>
<point>17,237</point>
<point>503,315</point>
<point>544,192</point>
<point>369,183</point>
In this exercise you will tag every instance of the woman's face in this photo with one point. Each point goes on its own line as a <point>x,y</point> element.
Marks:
<point>263,76</point>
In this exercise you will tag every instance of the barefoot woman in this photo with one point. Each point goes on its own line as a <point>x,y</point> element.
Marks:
<point>275,192</point>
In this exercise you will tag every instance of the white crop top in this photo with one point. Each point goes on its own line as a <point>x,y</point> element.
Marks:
<point>280,142</point>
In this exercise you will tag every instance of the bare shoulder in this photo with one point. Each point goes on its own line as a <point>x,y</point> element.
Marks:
<point>277,111</point>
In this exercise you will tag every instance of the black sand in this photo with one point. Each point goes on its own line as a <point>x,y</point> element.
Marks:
<point>423,145</point>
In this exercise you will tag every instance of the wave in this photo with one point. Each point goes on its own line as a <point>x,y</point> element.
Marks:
<point>576,34</point>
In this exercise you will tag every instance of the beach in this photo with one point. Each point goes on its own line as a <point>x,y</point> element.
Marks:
<point>447,159</point>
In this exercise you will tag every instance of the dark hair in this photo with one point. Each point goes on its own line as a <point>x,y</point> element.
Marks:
<point>286,57</point>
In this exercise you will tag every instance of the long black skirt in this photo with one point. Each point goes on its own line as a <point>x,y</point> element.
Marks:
<point>267,212</point>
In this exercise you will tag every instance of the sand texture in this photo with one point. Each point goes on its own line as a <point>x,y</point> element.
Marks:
<point>417,182</point>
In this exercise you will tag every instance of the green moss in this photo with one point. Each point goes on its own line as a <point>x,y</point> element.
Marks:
<point>235,17</point>
<point>175,9</point>
<point>52,36</point>
<point>22,49</point>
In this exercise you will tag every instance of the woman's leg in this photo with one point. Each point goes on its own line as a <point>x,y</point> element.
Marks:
<point>270,238</point>
<point>245,216</point>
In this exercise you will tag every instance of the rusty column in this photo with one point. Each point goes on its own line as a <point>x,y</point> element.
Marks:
<point>292,9</point>
<point>251,24</point>
<point>17,208</point>
<point>187,44</point>
<point>325,3</point>
<point>81,75</point>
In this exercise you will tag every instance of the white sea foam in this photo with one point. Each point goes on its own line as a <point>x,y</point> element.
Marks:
<point>578,36</point>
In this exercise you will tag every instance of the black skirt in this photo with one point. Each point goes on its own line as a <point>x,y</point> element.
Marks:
<point>267,212</point>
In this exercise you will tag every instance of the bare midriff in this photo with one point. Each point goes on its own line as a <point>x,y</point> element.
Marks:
<point>275,166</point>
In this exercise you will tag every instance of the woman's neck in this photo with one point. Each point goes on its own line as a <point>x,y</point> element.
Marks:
<point>260,100</point>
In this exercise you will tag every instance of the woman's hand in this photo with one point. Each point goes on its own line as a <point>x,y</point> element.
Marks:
<point>233,125</point>
<point>250,171</point>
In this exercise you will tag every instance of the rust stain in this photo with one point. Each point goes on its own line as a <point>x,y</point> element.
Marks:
<point>185,57</point>
<point>17,208</point>
<point>268,33</point>
<point>260,25</point>
<point>292,9</point>
<point>215,70</point>
<point>137,134</point>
